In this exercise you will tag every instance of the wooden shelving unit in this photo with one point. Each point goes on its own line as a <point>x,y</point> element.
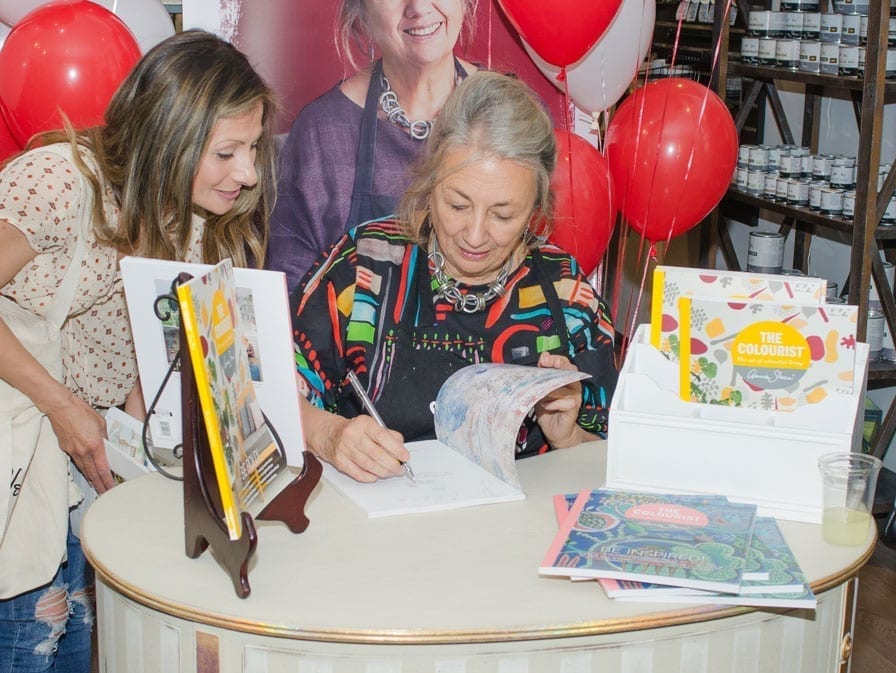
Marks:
<point>869,94</point>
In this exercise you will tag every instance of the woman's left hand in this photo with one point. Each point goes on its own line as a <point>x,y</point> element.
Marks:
<point>558,412</point>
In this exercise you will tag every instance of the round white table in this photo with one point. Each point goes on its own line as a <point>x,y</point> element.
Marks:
<point>445,592</point>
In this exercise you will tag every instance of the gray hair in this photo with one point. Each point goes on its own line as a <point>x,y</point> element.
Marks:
<point>351,33</point>
<point>498,116</point>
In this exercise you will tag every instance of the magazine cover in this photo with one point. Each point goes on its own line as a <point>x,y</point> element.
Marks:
<point>765,355</point>
<point>687,541</point>
<point>250,467</point>
<point>672,282</point>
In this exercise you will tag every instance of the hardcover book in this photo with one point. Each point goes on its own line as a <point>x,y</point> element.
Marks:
<point>672,282</point>
<point>696,542</point>
<point>765,355</point>
<point>250,466</point>
<point>477,416</point>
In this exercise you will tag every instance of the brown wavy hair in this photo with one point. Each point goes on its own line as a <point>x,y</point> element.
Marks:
<point>148,151</point>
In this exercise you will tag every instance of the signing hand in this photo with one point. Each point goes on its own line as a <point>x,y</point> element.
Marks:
<point>558,412</point>
<point>359,446</point>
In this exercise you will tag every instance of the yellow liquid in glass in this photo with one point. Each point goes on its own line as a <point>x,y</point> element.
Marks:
<point>840,525</point>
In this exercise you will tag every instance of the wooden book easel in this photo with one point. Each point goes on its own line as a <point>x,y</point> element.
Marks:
<point>203,516</point>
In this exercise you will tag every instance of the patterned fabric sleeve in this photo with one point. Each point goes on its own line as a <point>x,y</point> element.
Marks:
<point>320,308</point>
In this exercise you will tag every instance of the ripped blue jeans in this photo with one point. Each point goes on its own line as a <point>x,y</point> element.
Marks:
<point>49,628</point>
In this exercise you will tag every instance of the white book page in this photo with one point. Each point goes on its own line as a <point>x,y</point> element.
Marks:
<point>445,480</point>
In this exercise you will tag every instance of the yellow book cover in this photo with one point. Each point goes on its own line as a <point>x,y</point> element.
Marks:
<point>250,467</point>
<point>672,282</point>
<point>765,355</point>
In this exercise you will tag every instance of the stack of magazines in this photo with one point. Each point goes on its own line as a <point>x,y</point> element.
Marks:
<point>675,548</point>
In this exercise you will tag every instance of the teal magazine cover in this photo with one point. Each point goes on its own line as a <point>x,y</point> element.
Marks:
<point>697,542</point>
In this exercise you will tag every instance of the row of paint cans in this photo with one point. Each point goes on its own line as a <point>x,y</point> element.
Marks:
<point>828,27</point>
<point>811,56</point>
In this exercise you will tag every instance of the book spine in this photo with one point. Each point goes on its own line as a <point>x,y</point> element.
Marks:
<point>656,308</point>
<point>206,403</point>
<point>553,553</point>
<point>684,348</point>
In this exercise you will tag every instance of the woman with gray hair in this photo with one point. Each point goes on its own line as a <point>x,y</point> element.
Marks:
<point>347,155</point>
<point>463,275</point>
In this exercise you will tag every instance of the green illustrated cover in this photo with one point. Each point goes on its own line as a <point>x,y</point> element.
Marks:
<point>698,542</point>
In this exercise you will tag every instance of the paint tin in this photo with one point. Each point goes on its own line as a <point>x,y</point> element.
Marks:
<point>743,155</point>
<point>830,25</point>
<point>874,302</point>
<point>889,217</point>
<point>832,291</point>
<point>790,165</point>
<point>766,252</point>
<point>842,172</point>
<point>774,157</point>
<point>793,25</point>
<point>767,46</point>
<point>749,50</point>
<point>781,189</point>
<point>887,350</point>
<point>874,335</point>
<point>759,23</point>
<point>849,33</point>
<point>787,53</point>
<point>831,201</point>
<point>770,187</point>
<point>821,166</point>
<point>777,24</point>
<point>740,178</point>
<point>811,25</point>
<point>849,204</point>
<point>810,56</point>
<point>863,29</point>
<point>891,32</point>
<point>849,61</point>
<point>890,68</point>
<point>758,158</point>
<point>830,59</point>
<point>852,6</point>
<point>815,188</point>
<point>797,192</point>
<point>755,182</point>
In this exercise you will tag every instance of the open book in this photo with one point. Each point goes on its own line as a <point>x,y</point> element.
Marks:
<point>478,413</point>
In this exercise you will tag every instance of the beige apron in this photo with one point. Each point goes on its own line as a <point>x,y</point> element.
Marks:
<point>34,497</point>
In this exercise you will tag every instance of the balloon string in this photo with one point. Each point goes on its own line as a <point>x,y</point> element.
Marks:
<point>675,43</point>
<point>488,59</point>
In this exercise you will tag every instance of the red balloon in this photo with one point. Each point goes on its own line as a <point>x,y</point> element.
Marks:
<point>584,204</point>
<point>672,149</point>
<point>68,55</point>
<point>8,144</point>
<point>560,31</point>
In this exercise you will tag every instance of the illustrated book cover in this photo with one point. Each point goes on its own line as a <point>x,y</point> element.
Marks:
<point>250,467</point>
<point>263,304</point>
<point>697,542</point>
<point>673,282</point>
<point>784,585</point>
<point>477,415</point>
<point>765,355</point>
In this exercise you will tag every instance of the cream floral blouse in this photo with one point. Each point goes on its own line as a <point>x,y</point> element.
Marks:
<point>40,195</point>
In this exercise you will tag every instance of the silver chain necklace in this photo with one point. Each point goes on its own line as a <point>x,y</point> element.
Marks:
<point>418,128</point>
<point>446,287</point>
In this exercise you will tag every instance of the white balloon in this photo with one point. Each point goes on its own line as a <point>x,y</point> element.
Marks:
<point>601,76</point>
<point>4,31</point>
<point>148,20</point>
<point>11,11</point>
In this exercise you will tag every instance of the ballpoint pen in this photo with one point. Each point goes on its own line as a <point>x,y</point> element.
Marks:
<point>372,412</point>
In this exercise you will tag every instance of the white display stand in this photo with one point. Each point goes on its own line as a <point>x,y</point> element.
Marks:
<point>659,442</point>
